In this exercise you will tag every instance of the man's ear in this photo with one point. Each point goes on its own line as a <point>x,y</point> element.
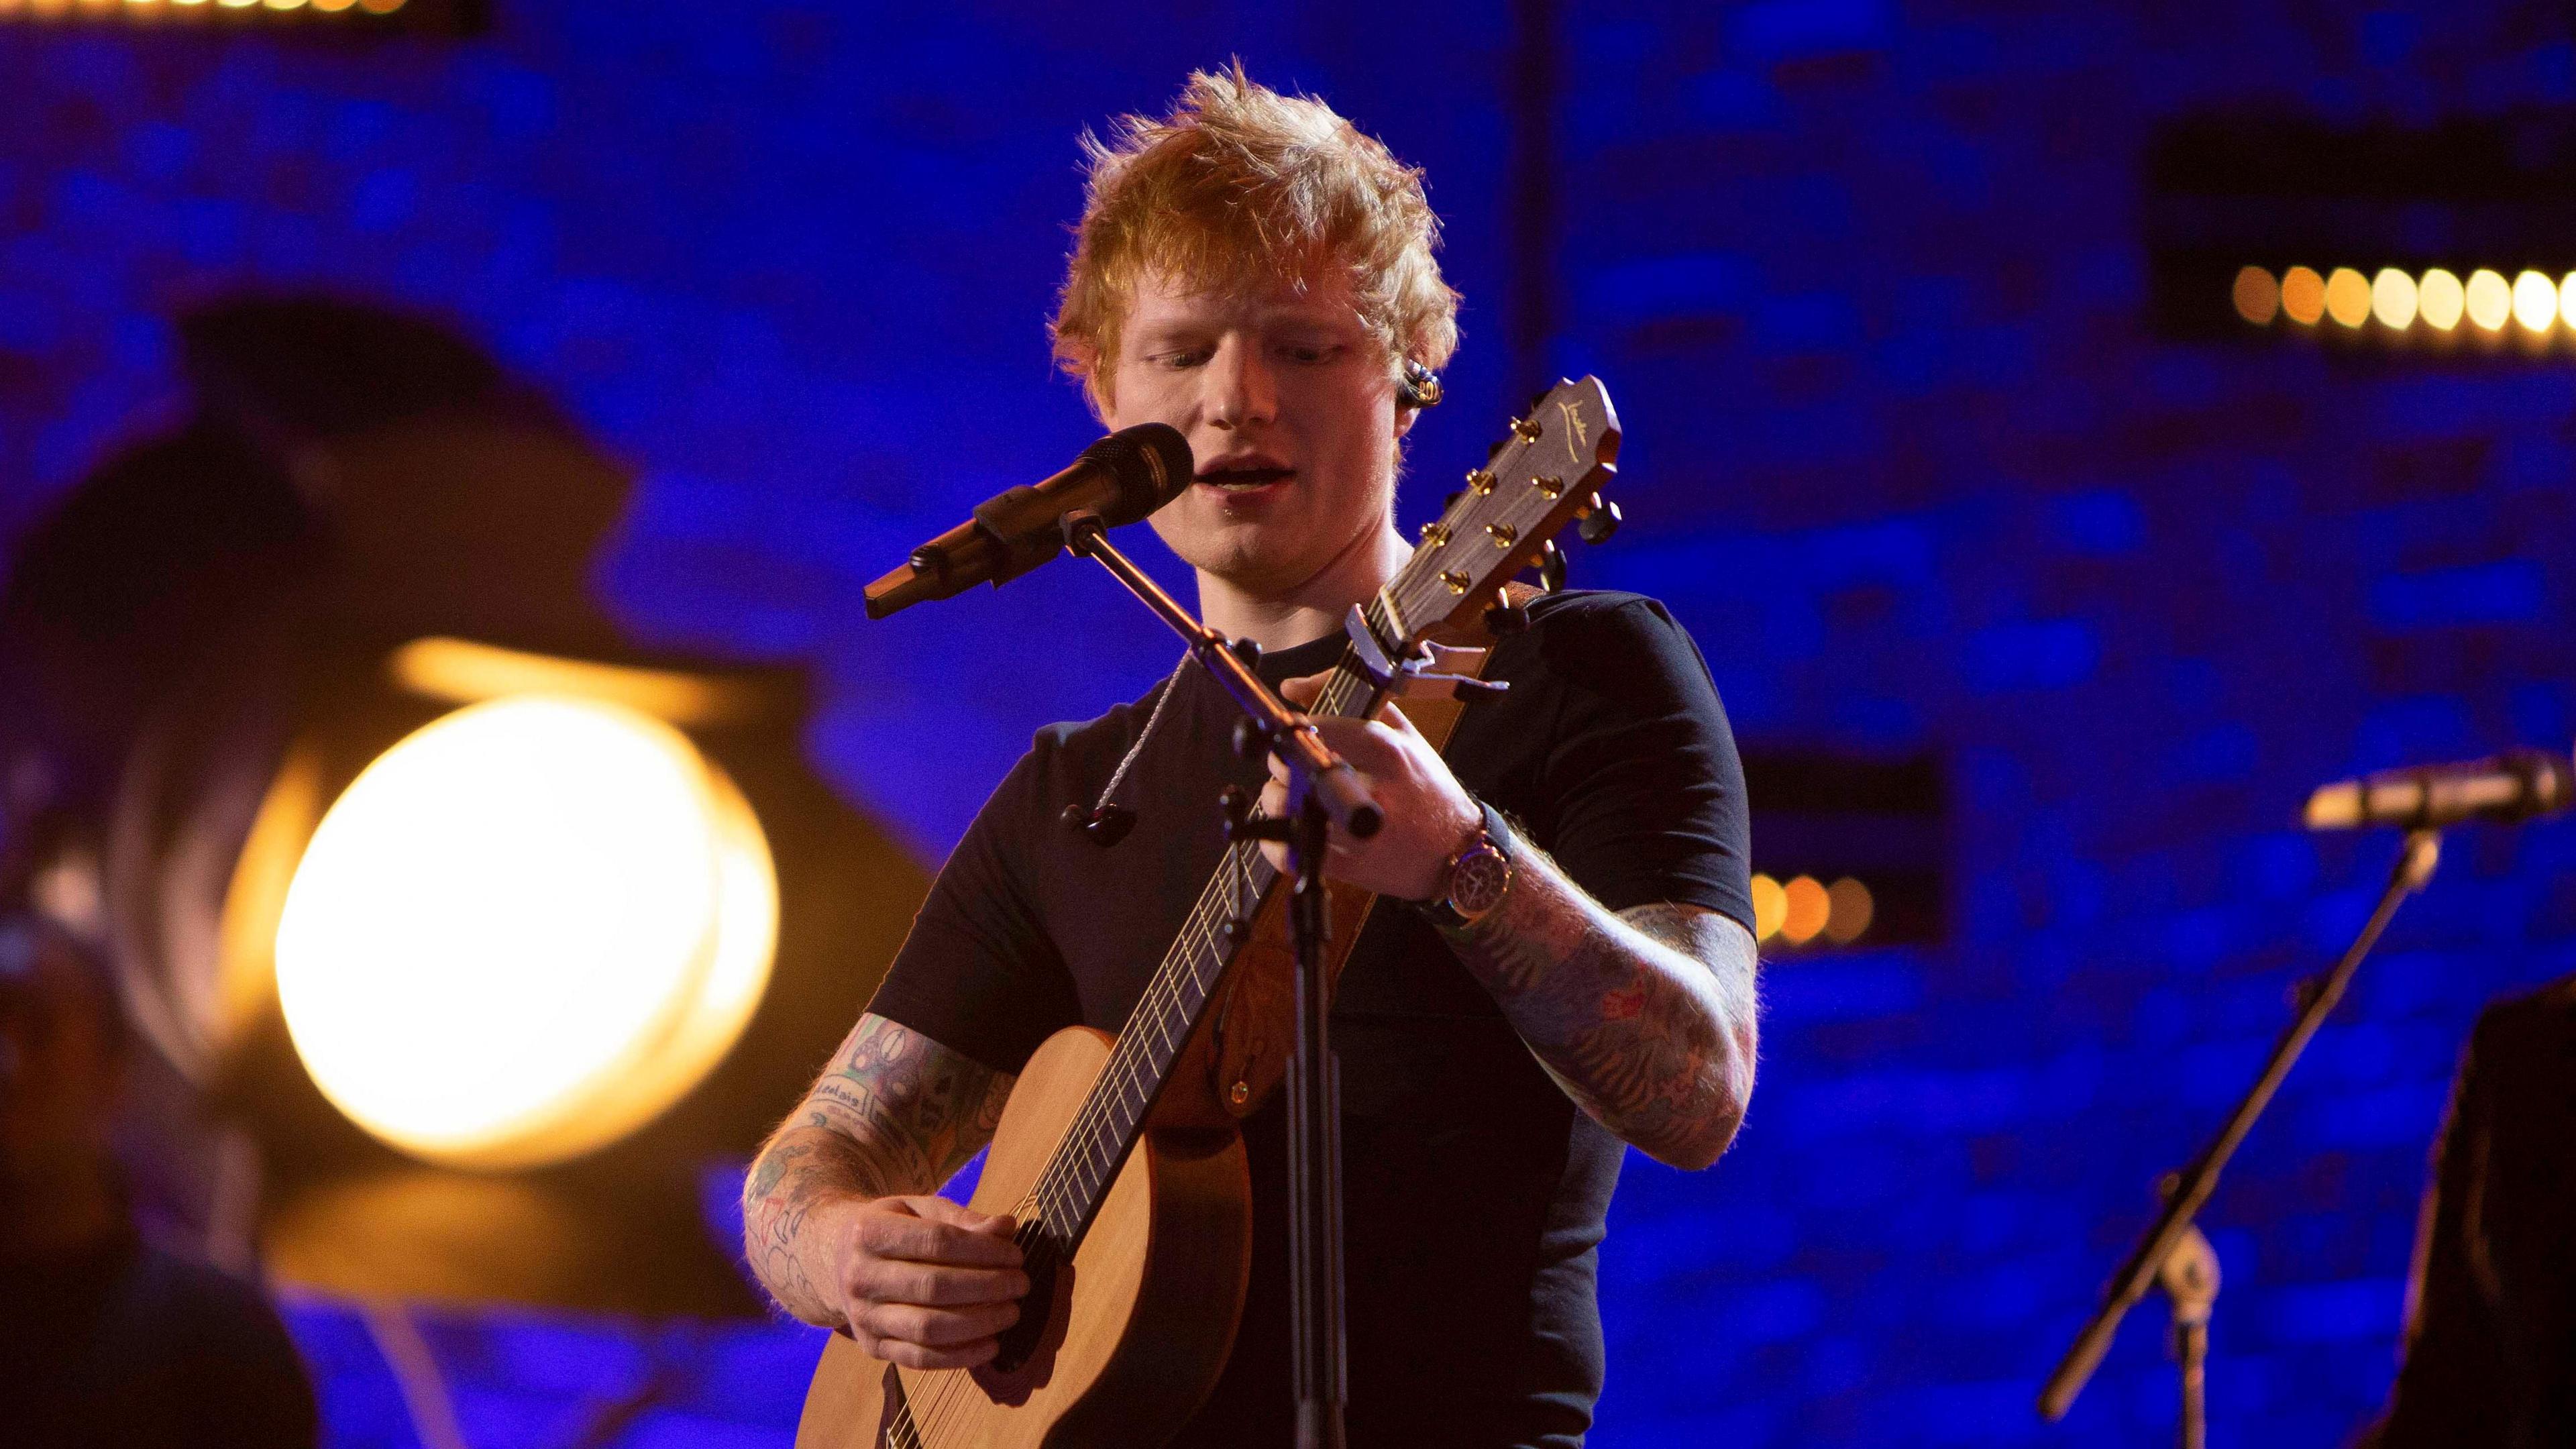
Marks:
<point>1404,418</point>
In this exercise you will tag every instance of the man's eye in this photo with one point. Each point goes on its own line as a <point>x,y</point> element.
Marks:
<point>1314,352</point>
<point>1195,357</point>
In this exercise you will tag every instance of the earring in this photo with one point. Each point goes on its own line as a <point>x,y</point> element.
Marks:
<point>1419,387</point>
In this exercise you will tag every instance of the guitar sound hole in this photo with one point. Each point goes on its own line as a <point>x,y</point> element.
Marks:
<point>1021,1339</point>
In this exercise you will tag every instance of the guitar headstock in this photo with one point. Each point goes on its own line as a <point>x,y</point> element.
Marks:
<point>1547,472</point>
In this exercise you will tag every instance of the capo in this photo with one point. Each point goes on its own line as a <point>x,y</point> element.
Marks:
<point>1417,674</point>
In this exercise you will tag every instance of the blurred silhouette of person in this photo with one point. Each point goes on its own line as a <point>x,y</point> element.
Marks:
<point>104,1338</point>
<point>2491,1324</point>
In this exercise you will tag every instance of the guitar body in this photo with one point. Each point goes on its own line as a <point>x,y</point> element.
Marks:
<point>1138,1324</point>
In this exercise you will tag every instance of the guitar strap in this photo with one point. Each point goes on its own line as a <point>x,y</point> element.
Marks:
<point>1253,1029</point>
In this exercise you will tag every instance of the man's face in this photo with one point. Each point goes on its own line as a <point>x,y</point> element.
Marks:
<point>1289,408</point>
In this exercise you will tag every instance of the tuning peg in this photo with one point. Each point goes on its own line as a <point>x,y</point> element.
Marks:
<point>1248,650</point>
<point>1600,520</point>
<point>1551,567</point>
<point>1502,618</point>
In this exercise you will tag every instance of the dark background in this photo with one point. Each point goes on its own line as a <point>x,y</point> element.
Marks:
<point>1915,447</point>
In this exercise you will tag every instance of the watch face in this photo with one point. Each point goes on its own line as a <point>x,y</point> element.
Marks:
<point>1476,882</point>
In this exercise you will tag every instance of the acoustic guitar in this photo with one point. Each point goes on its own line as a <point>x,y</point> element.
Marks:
<point>1121,1158</point>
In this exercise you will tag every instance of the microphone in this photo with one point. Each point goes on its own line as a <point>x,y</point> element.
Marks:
<point>1122,478</point>
<point>2516,785</point>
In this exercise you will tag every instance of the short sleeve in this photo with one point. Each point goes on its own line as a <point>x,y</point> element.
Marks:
<point>1643,790</point>
<point>978,973</point>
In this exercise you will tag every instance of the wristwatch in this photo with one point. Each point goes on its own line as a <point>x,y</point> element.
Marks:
<point>1473,880</point>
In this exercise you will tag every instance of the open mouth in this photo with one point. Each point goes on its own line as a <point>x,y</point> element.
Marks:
<point>1244,477</point>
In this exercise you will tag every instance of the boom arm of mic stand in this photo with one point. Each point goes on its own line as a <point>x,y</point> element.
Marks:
<point>2414,867</point>
<point>1325,775</point>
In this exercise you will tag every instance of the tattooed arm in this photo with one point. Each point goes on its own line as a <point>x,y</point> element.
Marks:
<point>840,1215</point>
<point>1645,1017</point>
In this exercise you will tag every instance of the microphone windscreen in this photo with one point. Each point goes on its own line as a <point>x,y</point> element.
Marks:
<point>1152,464</point>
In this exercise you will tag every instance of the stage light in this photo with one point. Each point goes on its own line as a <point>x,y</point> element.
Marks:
<point>2490,299</point>
<point>524,931</point>
<point>2567,299</point>
<point>2392,299</point>
<point>1770,907</point>
<point>2257,295</point>
<point>1808,909</point>
<point>1848,911</point>
<point>2440,299</point>
<point>2535,301</point>
<point>462,671</point>
<point>2303,295</point>
<point>2348,297</point>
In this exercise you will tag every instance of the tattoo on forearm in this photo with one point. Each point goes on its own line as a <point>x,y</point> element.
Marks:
<point>1645,1017</point>
<point>895,1113</point>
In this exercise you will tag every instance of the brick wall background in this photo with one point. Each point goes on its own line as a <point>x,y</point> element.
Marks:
<point>1903,451</point>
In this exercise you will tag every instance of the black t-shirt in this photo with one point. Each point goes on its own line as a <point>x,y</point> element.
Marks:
<point>127,1345</point>
<point>1474,1191</point>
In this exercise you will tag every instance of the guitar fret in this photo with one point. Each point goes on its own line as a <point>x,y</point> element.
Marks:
<point>1070,1187</point>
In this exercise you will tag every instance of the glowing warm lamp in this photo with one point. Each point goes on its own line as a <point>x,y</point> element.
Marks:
<point>2490,299</point>
<point>2567,299</point>
<point>2303,295</point>
<point>524,931</point>
<point>2440,299</point>
<point>2256,295</point>
<point>2535,301</point>
<point>2392,299</point>
<point>1770,907</point>
<point>2348,297</point>
<point>1809,909</point>
<point>1849,911</point>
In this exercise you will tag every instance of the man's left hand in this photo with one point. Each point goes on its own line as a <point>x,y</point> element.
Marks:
<point>1428,815</point>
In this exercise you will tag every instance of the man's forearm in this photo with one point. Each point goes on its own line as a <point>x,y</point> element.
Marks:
<point>802,1169</point>
<point>1646,1017</point>
<point>895,1114</point>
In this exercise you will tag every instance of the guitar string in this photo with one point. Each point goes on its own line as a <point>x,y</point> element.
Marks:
<point>1163,991</point>
<point>1347,687</point>
<point>1236,871</point>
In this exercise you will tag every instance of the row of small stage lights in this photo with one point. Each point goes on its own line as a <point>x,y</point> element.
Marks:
<point>2398,300</point>
<point>1805,909</point>
<point>144,9</point>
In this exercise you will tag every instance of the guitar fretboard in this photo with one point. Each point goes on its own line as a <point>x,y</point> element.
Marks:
<point>1068,1192</point>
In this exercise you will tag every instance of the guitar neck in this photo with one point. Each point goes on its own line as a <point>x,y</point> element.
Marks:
<point>1086,1161</point>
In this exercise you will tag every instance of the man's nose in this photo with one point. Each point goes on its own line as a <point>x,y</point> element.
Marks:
<point>1241,390</point>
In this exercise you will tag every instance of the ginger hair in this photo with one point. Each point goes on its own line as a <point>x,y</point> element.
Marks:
<point>1241,186</point>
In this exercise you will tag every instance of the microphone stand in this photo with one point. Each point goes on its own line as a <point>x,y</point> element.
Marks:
<point>1323,791</point>
<point>2167,1251</point>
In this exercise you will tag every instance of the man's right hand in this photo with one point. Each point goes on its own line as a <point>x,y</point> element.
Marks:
<point>925,1283</point>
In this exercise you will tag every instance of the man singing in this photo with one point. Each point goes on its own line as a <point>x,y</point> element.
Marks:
<point>1256,273</point>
